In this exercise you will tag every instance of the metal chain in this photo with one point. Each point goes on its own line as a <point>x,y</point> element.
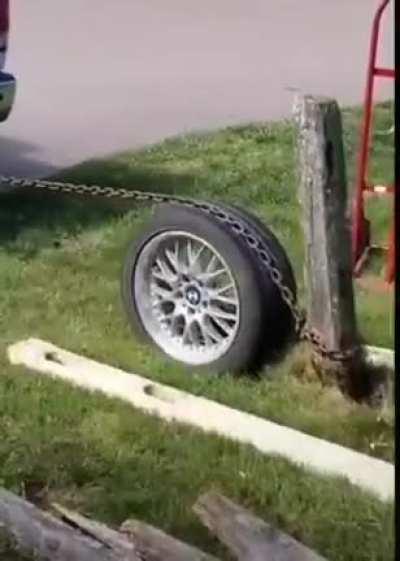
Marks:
<point>255,244</point>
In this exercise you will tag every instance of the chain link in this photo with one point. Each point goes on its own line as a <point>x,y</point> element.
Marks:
<point>302,330</point>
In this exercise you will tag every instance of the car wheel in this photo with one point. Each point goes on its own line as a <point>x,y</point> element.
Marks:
<point>192,287</point>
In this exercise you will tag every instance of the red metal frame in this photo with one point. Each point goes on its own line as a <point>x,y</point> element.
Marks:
<point>361,226</point>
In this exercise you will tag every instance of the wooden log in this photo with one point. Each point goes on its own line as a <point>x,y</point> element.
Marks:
<point>323,197</point>
<point>247,537</point>
<point>77,538</point>
<point>44,537</point>
<point>96,530</point>
<point>155,545</point>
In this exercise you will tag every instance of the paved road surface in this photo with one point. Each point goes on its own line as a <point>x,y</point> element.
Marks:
<point>97,76</point>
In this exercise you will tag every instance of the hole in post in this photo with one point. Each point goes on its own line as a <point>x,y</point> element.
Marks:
<point>163,394</point>
<point>53,357</point>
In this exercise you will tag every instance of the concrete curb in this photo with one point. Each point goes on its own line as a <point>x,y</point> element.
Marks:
<point>323,457</point>
<point>379,356</point>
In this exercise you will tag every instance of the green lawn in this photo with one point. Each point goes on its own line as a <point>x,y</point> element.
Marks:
<point>60,264</point>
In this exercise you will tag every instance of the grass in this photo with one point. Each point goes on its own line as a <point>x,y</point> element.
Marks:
<point>60,264</point>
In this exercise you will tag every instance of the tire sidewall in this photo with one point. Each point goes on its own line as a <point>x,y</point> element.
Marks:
<point>245,348</point>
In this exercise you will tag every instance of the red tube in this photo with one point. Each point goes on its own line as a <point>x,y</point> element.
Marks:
<point>391,258</point>
<point>360,226</point>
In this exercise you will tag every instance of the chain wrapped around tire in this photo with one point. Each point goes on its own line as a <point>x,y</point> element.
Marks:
<point>192,288</point>
<point>250,232</point>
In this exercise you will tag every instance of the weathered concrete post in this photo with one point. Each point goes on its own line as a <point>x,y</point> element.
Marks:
<point>323,197</point>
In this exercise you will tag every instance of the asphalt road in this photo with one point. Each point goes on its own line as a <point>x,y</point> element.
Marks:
<point>97,76</point>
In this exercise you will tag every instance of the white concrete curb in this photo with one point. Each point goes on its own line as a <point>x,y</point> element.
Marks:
<point>372,474</point>
<point>380,356</point>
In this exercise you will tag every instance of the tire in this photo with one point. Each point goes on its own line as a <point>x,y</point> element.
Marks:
<point>283,330</point>
<point>271,241</point>
<point>253,307</point>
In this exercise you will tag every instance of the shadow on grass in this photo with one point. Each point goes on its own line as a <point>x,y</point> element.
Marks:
<point>30,221</point>
<point>22,159</point>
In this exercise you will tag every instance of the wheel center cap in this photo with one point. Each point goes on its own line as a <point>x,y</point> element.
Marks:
<point>193,296</point>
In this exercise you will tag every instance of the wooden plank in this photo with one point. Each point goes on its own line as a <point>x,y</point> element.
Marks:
<point>155,545</point>
<point>96,530</point>
<point>323,197</point>
<point>77,538</point>
<point>247,537</point>
<point>44,537</point>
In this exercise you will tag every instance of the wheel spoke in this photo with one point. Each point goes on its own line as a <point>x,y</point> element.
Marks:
<point>166,273</point>
<point>218,295</point>
<point>167,317</point>
<point>222,289</point>
<point>222,314</point>
<point>158,275</point>
<point>212,264</point>
<point>231,301</point>
<point>206,277</point>
<point>173,257</point>
<point>176,319</point>
<point>193,263</point>
<point>222,326</point>
<point>193,255</point>
<point>162,293</point>
<point>187,335</point>
<point>212,332</point>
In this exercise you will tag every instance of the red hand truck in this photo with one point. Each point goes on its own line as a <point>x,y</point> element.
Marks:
<point>361,243</point>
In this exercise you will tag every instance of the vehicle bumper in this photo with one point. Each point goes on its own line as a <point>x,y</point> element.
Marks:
<point>7,94</point>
